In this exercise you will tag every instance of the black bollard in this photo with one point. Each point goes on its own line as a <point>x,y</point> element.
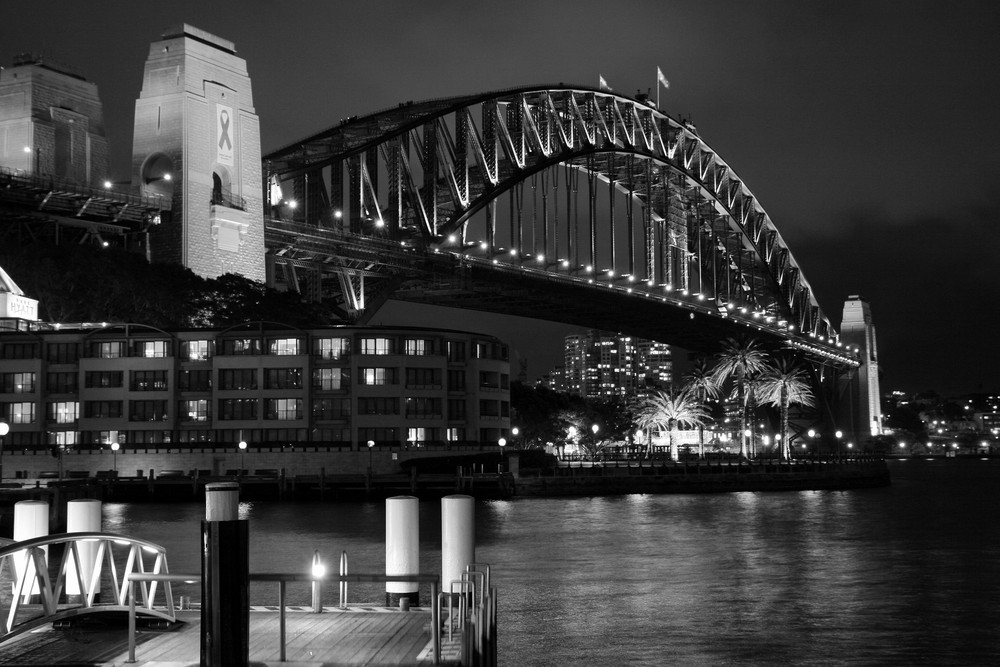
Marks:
<point>225,579</point>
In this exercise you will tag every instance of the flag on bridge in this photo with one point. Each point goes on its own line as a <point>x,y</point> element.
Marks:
<point>602,84</point>
<point>661,79</point>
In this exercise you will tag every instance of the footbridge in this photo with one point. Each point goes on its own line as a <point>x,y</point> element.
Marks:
<point>92,576</point>
<point>569,204</point>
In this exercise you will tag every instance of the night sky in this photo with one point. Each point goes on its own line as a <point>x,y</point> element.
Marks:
<point>866,129</point>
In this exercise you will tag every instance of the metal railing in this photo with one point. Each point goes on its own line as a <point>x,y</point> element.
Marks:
<point>475,620</point>
<point>283,579</point>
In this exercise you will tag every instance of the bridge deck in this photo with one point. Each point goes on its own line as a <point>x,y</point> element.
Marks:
<point>358,636</point>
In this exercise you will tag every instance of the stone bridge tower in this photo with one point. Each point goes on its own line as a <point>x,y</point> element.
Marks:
<point>197,145</point>
<point>861,407</point>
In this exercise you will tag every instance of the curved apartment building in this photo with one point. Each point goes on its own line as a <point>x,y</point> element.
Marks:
<point>264,383</point>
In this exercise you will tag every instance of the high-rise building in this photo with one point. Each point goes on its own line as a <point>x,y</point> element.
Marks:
<point>602,364</point>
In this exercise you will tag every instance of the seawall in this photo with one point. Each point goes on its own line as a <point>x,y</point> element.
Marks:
<point>679,478</point>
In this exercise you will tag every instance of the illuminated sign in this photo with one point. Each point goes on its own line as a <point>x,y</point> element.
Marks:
<point>21,307</point>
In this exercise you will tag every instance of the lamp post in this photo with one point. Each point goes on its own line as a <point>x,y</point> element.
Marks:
<point>243,448</point>
<point>503,443</point>
<point>35,153</point>
<point>371,445</point>
<point>4,430</point>
<point>839,435</point>
<point>114,456</point>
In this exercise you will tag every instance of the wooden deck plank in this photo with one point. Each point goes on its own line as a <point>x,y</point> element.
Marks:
<point>355,637</point>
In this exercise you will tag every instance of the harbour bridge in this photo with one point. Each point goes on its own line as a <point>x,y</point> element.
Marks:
<point>570,204</point>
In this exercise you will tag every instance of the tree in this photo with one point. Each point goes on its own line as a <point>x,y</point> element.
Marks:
<point>668,410</point>
<point>740,361</point>
<point>701,382</point>
<point>782,383</point>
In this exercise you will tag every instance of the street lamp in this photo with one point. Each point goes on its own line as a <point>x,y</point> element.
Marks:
<point>243,448</point>
<point>4,430</point>
<point>503,443</point>
<point>35,153</point>
<point>839,435</point>
<point>371,445</point>
<point>114,456</point>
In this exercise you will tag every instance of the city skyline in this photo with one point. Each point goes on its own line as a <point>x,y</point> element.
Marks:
<point>858,126</point>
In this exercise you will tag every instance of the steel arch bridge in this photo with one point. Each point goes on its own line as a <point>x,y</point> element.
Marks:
<point>571,204</point>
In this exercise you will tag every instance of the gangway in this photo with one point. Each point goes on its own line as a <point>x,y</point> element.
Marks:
<point>90,561</point>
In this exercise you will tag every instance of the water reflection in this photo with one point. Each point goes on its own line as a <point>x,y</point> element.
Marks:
<point>904,575</point>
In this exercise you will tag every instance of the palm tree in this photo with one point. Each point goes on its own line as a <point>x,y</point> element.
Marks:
<point>701,382</point>
<point>784,382</point>
<point>740,360</point>
<point>669,410</point>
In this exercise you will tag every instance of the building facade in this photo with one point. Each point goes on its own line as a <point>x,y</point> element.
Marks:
<point>269,385</point>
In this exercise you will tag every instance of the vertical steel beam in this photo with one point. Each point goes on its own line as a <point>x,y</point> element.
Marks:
<point>337,192</point>
<point>429,163</point>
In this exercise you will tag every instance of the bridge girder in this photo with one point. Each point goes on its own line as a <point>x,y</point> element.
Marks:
<point>431,177</point>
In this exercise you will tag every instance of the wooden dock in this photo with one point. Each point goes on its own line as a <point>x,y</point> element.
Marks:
<point>356,636</point>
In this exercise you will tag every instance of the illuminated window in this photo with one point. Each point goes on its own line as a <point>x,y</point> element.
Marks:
<point>417,347</point>
<point>109,349</point>
<point>18,383</point>
<point>284,409</point>
<point>198,410</point>
<point>376,346</point>
<point>64,412</point>
<point>284,347</point>
<point>20,413</point>
<point>378,376</point>
<point>151,349</point>
<point>196,350</point>
<point>331,348</point>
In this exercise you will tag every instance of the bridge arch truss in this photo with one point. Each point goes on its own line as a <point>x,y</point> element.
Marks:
<point>571,182</point>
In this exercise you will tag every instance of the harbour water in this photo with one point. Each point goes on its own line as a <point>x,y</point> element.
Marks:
<point>903,575</point>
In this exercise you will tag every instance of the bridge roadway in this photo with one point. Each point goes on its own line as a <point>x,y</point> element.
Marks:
<point>469,280</point>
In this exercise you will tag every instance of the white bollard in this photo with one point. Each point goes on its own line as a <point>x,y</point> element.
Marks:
<point>31,519</point>
<point>82,516</point>
<point>458,538</point>
<point>402,548</point>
